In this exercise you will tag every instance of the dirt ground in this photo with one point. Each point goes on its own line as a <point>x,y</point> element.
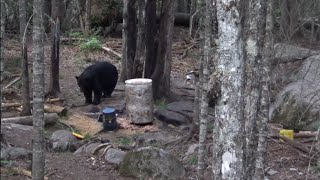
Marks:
<point>286,162</point>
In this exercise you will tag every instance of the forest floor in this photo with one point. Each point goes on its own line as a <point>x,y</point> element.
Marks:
<point>283,160</point>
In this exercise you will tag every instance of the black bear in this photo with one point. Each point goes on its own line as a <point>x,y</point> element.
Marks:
<point>101,78</point>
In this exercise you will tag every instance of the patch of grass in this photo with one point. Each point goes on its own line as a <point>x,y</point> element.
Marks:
<point>193,159</point>
<point>92,44</point>
<point>76,34</point>
<point>161,104</point>
<point>6,162</point>
<point>87,136</point>
<point>123,141</point>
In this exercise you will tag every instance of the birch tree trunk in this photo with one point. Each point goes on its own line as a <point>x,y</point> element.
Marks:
<point>162,73</point>
<point>26,106</point>
<point>253,72</point>
<point>265,96</point>
<point>54,84</point>
<point>229,123</point>
<point>2,31</point>
<point>38,157</point>
<point>204,101</point>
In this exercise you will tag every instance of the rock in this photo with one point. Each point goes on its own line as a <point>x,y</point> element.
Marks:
<point>152,137</point>
<point>17,135</point>
<point>151,162</point>
<point>13,153</point>
<point>63,140</point>
<point>192,149</point>
<point>87,148</point>
<point>115,156</point>
<point>297,106</point>
<point>272,172</point>
<point>178,113</point>
<point>285,50</point>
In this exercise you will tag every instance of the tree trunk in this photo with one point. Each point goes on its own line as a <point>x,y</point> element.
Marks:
<point>265,96</point>
<point>139,100</point>
<point>193,9</point>
<point>87,15</point>
<point>204,101</point>
<point>140,54</point>
<point>150,34</point>
<point>38,157</point>
<point>254,50</point>
<point>129,39</point>
<point>289,18</point>
<point>54,86</point>
<point>2,31</point>
<point>26,106</point>
<point>161,75</point>
<point>228,137</point>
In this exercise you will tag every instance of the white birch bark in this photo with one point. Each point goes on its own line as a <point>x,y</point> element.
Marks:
<point>38,157</point>
<point>204,101</point>
<point>253,72</point>
<point>229,125</point>
<point>2,31</point>
<point>265,96</point>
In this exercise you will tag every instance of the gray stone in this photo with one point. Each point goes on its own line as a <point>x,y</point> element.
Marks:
<point>151,137</point>
<point>192,148</point>
<point>17,135</point>
<point>272,172</point>
<point>297,106</point>
<point>63,140</point>
<point>115,156</point>
<point>13,153</point>
<point>178,113</point>
<point>151,162</point>
<point>87,148</point>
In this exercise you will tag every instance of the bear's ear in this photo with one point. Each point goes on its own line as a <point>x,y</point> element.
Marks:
<point>77,77</point>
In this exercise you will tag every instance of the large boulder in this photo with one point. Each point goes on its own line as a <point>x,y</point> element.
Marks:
<point>297,105</point>
<point>115,156</point>
<point>63,140</point>
<point>17,135</point>
<point>151,162</point>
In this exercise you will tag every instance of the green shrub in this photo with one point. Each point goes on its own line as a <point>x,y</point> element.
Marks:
<point>91,45</point>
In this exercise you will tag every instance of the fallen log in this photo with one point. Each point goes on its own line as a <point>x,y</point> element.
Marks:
<point>15,105</point>
<point>111,51</point>
<point>49,119</point>
<point>50,108</point>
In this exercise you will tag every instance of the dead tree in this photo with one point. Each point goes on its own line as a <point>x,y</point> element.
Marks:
<point>26,106</point>
<point>161,75</point>
<point>54,84</point>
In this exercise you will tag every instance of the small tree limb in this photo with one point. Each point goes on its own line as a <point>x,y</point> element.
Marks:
<point>111,52</point>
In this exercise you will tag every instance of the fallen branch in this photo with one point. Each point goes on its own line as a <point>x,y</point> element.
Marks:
<point>20,171</point>
<point>112,52</point>
<point>185,52</point>
<point>12,82</point>
<point>15,105</point>
<point>311,154</point>
<point>49,119</point>
<point>50,108</point>
<point>105,145</point>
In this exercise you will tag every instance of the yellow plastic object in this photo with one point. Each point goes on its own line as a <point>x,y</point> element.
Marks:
<point>78,135</point>
<point>288,133</point>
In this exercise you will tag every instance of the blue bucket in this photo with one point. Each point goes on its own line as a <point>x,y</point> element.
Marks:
<point>109,119</point>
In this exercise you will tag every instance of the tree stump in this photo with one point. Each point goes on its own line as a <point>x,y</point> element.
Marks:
<point>139,100</point>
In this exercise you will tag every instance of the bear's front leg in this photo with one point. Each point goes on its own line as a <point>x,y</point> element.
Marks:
<point>88,96</point>
<point>97,96</point>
